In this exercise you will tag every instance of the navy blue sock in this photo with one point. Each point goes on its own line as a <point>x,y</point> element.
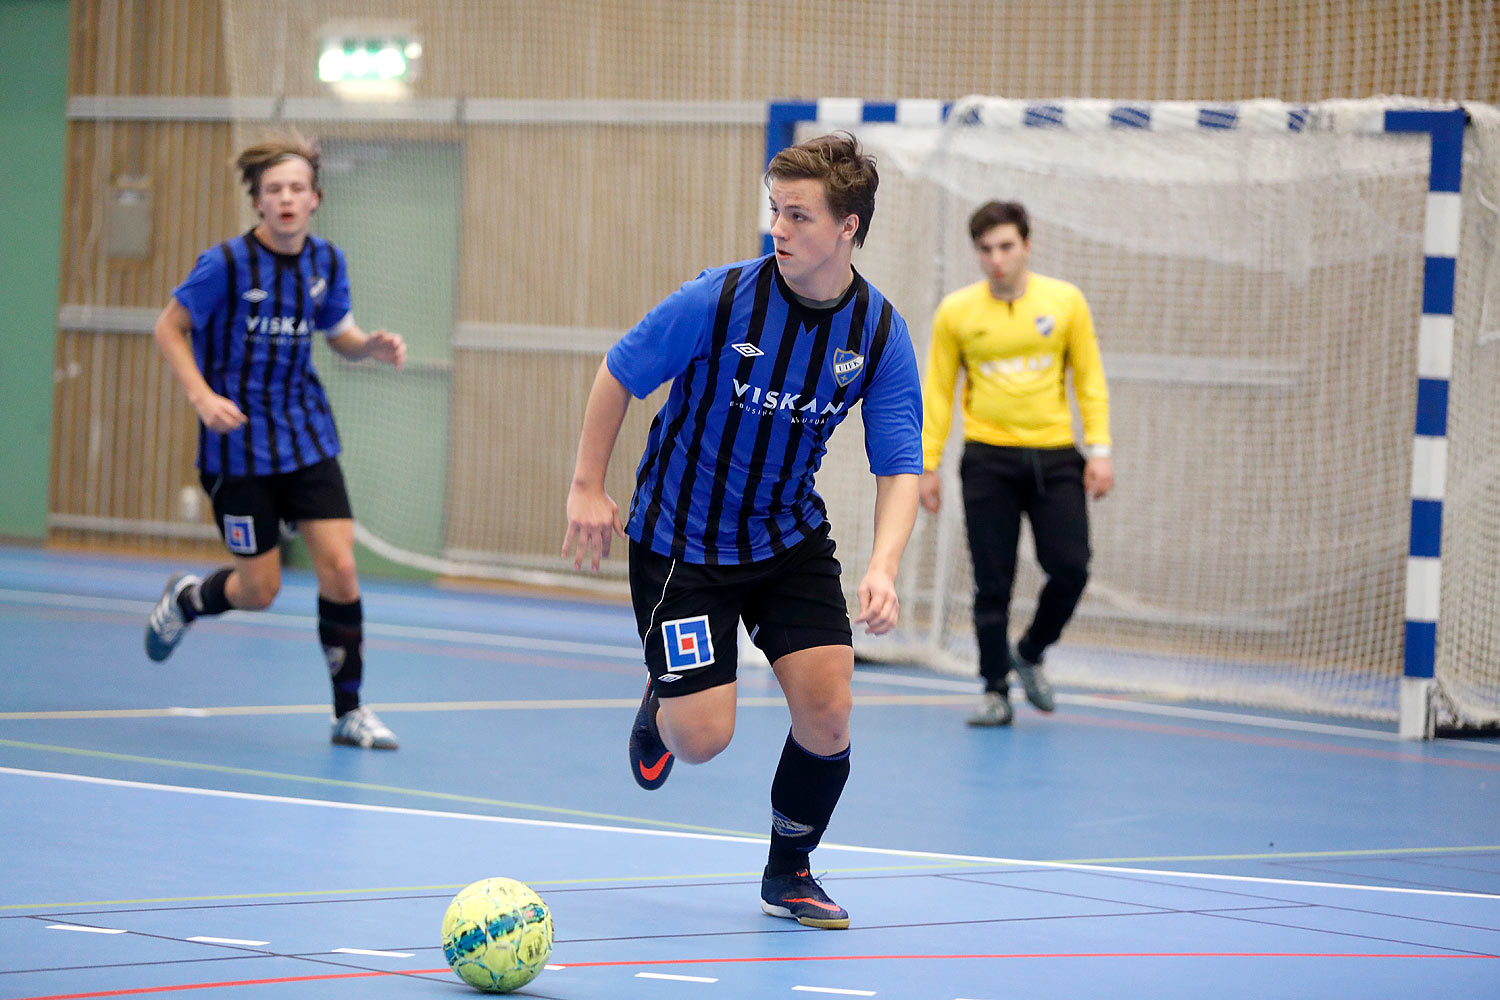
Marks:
<point>803,795</point>
<point>341,631</point>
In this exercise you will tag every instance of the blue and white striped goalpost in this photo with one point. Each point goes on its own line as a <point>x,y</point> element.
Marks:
<point>1444,126</point>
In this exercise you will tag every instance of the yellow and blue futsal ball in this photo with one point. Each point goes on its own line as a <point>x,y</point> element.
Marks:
<point>497,935</point>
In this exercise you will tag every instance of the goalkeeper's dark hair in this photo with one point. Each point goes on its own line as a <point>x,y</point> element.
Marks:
<point>257,159</point>
<point>846,170</point>
<point>1000,213</point>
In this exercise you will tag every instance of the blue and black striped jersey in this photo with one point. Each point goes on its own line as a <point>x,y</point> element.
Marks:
<point>759,382</point>
<point>254,312</point>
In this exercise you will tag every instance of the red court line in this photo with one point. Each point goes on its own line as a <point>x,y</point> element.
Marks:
<point>144,990</point>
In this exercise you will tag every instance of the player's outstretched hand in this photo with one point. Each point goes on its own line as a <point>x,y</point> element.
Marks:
<point>388,347</point>
<point>219,413</point>
<point>878,606</point>
<point>593,522</point>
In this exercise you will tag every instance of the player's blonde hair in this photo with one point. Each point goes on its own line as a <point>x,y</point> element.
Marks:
<point>257,159</point>
<point>846,170</point>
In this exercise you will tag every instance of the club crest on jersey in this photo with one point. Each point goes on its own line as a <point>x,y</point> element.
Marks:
<point>256,295</point>
<point>239,534</point>
<point>1045,325</point>
<point>748,350</point>
<point>318,288</point>
<point>846,365</point>
<point>688,643</point>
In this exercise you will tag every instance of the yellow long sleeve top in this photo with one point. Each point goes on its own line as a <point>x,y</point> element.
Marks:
<point>1015,358</point>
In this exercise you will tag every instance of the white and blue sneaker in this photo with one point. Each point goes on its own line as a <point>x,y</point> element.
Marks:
<point>167,622</point>
<point>1033,682</point>
<point>360,727</point>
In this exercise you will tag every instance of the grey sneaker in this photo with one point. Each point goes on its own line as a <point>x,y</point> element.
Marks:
<point>167,623</point>
<point>994,710</point>
<point>361,727</point>
<point>1038,691</point>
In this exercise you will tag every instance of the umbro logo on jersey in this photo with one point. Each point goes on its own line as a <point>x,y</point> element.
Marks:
<point>846,365</point>
<point>318,288</point>
<point>748,350</point>
<point>1045,325</point>
<point>256,295</point>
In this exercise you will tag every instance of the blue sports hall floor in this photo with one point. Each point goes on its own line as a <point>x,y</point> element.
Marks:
<point>186,829</point>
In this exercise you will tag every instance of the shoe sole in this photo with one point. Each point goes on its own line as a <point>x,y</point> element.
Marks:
<point>363,746</point>
<point>822,923</point>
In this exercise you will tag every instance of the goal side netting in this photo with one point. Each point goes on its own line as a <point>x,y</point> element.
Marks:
<point>1258,295</point>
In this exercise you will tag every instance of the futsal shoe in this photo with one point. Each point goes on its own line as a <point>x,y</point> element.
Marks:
<point>360,727</point>
<point>650,760</point>
<point>799,897</point>
<point>1038,691</point>
<point>167,622</point>
<point>994,710</point>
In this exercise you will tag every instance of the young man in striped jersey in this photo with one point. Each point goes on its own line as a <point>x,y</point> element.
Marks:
<point>237,333</point>
<point>765,358</point>
<point>1016,334</point>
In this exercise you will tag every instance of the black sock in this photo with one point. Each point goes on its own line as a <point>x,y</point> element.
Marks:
<point>341,630</point>
<point>803,795</point>
<point>1029,651</point>
<point>207,598</point>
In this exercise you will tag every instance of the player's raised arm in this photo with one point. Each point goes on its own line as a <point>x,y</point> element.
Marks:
<point>594,518</point>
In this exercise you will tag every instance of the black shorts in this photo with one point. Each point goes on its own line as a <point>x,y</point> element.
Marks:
<point>248,510</point>
<point>688,614</point>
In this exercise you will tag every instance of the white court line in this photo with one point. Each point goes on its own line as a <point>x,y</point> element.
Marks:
<point>679,979</point>
<point>632,652</point>
<point>376,954</point>
<point>830,989</point>
<point>87,930</point>
<point>729,839</point>
<point>275,619</point>
<point>218,940</point>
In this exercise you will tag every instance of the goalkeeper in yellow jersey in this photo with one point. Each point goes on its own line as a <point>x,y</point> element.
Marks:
<point>1015,335</point>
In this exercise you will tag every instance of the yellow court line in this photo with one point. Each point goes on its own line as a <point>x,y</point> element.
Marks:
<point>630,880</point>
<point>544,704</point>
<point>369,787</point>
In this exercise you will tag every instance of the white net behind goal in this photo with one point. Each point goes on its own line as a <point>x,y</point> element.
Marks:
<point>1257,300</point>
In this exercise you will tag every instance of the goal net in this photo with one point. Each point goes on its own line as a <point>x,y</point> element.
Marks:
<point>1257,294</point>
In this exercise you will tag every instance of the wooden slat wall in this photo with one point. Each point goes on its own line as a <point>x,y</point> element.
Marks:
<point>589,225</point>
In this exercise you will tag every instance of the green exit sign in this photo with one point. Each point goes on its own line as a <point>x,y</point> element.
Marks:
<point>358,60</point>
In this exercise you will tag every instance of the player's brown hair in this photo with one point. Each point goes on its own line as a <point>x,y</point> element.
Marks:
<point>846,171</point>
<point>255,160</point>
<point>1000,213</point>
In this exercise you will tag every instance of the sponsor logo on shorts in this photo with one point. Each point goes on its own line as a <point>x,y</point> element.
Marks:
<point>239,534</point>
<point>689,644</point>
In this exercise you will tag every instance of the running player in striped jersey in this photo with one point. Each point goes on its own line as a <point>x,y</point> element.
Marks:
<point>766,357</point>
<point>237,333</point>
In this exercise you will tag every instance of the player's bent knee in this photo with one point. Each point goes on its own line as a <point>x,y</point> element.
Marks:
<point>697,741</point>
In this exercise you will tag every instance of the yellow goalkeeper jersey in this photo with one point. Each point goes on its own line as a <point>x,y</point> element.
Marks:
<point>1015,357</point>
